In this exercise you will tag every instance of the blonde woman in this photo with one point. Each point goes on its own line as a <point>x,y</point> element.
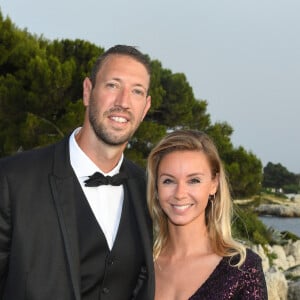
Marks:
<point>189,201</point>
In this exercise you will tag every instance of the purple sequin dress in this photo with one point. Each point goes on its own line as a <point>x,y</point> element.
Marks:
<point>227,282</point>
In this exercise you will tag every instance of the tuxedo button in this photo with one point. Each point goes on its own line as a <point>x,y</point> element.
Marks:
<point>110,259</point>
<point>105,290</point>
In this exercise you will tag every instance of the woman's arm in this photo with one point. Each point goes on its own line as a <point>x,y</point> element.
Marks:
<point>255,287</point>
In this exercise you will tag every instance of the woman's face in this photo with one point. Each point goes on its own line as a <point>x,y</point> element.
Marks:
<point>184,184</point>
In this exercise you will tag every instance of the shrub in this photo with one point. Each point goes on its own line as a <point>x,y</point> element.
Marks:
<point>248,227</point>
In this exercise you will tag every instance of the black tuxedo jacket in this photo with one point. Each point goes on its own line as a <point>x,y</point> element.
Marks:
<point>39,255</point>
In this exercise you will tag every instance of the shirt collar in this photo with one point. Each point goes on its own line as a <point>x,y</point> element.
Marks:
<point>82,164</point>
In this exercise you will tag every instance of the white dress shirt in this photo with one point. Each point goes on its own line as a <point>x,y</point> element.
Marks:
<point>106,200</point>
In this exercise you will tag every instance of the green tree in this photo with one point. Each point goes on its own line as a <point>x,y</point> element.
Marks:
<point>177,102</point>
<point>244,169</point>
<point>245,173</point>
<point>39,80</point>
<point>40,101</point>
<point>78,52</point>
<point>277,176</point>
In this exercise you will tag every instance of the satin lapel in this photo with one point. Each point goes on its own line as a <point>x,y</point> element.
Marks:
<point>63,183</point>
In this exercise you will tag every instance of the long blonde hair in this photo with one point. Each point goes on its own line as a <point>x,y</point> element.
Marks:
<point>218,211</point>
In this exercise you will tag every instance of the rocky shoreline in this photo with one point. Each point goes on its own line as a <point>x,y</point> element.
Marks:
<point>289,208</point>
<point>281,263</point>
<point>282,273</point>
<point>279,210</point>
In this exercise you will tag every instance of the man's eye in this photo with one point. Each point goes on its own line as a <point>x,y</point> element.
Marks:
<point>111,85</point>
<point>138,92</point>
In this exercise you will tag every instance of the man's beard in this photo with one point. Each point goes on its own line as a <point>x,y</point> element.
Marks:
<point>104,134</point>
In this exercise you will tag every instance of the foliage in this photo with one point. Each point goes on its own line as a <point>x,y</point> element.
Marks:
<point>278,177</point>
<point>271,255</point>
<point>269,193</point>
<point>291,188</point>
<point>247,176</point>
<point>40,101</point>
<point>247,226</point>
<point>286,235</point>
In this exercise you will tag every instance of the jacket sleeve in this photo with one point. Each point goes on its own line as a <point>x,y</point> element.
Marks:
<point>5,230</point>
<point>254,283</point>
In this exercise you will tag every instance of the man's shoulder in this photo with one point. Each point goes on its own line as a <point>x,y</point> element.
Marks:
<point>29,158</point>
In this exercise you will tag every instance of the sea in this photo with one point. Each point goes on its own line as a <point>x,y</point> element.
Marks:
<point>282,224</point>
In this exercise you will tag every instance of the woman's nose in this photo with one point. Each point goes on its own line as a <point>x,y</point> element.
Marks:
<point>180,191</point>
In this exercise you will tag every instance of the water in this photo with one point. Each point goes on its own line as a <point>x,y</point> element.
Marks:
<point>282,224</point>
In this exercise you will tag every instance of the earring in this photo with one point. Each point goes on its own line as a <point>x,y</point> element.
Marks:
<point>212,200</point>
<point>212,197</point>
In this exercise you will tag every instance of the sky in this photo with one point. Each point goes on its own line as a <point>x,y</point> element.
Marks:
<point>241,56</point>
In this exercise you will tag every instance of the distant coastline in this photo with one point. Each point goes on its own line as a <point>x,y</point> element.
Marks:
<point>288,208</point>
<point>279,210</point>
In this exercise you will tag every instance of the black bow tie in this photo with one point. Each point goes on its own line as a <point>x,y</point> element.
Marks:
<point>99,179</point>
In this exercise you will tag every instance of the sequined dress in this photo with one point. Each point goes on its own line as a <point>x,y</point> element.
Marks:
<point>227,282</point>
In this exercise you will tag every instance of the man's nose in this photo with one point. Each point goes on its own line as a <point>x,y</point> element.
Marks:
<point>123,98</point>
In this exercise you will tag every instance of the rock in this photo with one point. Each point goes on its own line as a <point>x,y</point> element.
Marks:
<point>281,260</point>
<point>294,290</point>
<point>279,210</point>
<point>264,259</point>
<point>277,284</point>
<point>293,272</point>
<point>291,260</point>
<point>293,248</point>
<point>282,277</point>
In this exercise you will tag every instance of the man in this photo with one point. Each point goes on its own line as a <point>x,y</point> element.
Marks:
<point>62,235</point>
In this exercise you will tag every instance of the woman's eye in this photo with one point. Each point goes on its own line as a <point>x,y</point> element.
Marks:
<point>167,181</point>
<point>195,180</point>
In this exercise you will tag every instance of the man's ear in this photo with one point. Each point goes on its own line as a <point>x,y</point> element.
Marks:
<point>87,90</point>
